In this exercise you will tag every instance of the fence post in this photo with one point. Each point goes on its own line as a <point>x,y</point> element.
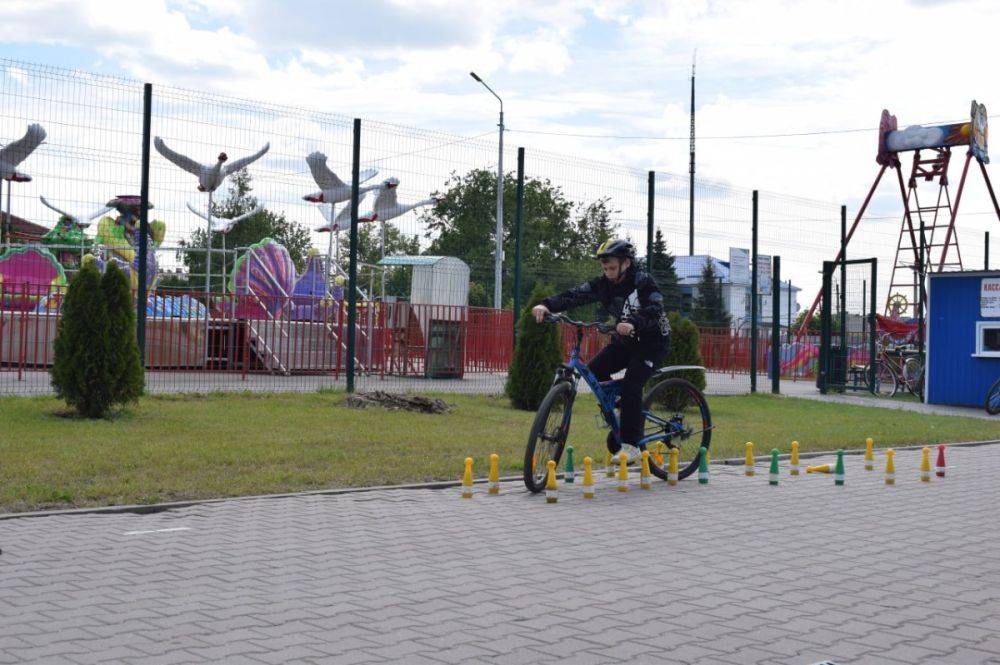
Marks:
<point>843,287</point>
<point>753,299</point>
<point>650,206</point>
<point>518,231</point>
<point>352,269</point>
<point>776,326</point>
<point>872,323</point>
<point>825,334</point>
<point>141,296</point>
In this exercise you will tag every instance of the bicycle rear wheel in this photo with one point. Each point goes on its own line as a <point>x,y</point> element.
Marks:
<point>548,435</point>
<point>677,410</point>
<point>993,399</point>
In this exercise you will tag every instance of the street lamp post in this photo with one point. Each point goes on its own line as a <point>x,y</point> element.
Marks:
<point>498,264</point>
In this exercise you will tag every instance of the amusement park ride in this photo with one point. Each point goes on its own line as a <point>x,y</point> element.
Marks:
<point>928,239</point>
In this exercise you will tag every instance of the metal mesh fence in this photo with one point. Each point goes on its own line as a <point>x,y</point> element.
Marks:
<point>272,315</point>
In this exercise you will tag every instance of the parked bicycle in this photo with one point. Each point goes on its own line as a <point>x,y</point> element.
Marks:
<point>898,368</point>
<point>675,414</point>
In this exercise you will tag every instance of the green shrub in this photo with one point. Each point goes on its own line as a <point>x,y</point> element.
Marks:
<point>536,356</point>
<point>80,372</point>
<point>685,349</point>
<point>125,366</point>
<point>97,364</point>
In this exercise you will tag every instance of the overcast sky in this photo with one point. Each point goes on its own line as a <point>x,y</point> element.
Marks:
<point>605,67</point>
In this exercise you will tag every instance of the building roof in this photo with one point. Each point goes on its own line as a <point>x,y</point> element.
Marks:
<point>415,260</point>
<point>689,268</point>
<point>24,230</point>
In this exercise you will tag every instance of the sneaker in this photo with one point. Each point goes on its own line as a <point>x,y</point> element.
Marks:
<point>633,453</point>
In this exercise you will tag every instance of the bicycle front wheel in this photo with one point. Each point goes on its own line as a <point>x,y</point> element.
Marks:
<point>885,380</point>
<point>548,435</point>
<point>993,399</point>
<point>677,412</point>
<point>913,374</point>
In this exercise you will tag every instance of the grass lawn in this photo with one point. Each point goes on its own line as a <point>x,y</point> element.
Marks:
<point>192,447</point>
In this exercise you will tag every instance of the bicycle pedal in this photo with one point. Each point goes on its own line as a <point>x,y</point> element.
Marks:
<point>601,422</point>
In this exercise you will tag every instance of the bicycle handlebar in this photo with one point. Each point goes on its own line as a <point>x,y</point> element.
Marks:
<point>601,327</point>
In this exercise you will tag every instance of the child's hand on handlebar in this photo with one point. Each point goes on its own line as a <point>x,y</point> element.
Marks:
<point>625,329</point>
<point>539,312</point>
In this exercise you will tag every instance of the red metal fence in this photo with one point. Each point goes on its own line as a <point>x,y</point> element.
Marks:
<point>293,335</point>
<point>300,335</point>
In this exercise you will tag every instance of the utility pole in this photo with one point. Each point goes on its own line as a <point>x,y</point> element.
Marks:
<point>691,183</point>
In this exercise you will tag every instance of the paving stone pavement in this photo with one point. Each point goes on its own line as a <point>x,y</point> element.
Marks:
<point>735,572</point>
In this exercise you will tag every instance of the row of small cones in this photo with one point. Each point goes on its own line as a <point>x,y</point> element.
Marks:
<point>569,475</point>
<point>645,475</point>
<point>837,469</point>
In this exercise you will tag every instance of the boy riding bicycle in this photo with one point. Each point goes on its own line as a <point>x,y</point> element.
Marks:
<point>633,299</point>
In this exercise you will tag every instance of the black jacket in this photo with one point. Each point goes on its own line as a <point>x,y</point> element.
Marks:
<point>636,300</point>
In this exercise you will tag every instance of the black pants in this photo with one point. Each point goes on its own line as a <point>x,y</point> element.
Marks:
<point>639,363</point>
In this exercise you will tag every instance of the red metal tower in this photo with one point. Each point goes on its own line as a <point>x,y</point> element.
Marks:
<point>922,226</point>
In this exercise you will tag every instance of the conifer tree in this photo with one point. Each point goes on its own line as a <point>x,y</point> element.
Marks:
<point>708,309</point>
<point>536,356</point>
<point>665,274</point>
<point>80,372</point>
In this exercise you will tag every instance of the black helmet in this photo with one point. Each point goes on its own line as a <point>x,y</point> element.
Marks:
<point>622,249</point>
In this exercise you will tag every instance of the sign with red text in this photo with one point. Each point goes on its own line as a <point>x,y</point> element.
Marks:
<point>989,297</point>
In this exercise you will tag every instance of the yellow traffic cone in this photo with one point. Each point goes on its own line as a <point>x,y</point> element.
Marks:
<point>467,479</point>
<point>551,489</point>
<point>749,459</point>
<point>622,472</point>
<point>890,468</point>
<point>588,479</point>
<point>609,469</point>
<point>672,474</point>
<point>869,454</point>
<point>658,454</point>
<point>925,465</point>
<point>494,474</point>
<point>820,468</point>
<point>645,475</point>
<point>793,462</point>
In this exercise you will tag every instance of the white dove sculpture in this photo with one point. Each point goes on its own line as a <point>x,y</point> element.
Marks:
<point>209,179</point>
<point>82,221</point>
<point>329,214</point>
<point>330,226</point>
<point>332,188</point>
<point>11,156</point>
<point>384,208</point>
<point>366,213</point>
<point>387,207</point>
<point>224,225</point>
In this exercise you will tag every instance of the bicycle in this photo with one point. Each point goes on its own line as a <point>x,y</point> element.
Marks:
<point>675,415</point>
<point>993,399</point>
<point>900,367</point>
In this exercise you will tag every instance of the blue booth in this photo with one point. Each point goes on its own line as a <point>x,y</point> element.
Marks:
<point>963,336</point>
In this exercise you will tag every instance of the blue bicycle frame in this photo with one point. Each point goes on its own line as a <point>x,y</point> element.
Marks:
<point>607,394</point>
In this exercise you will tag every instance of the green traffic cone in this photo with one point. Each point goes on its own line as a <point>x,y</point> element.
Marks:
<point>570,471</point>
<point>773,473</point>
<point>703,466</point>
<point>838,471</point>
